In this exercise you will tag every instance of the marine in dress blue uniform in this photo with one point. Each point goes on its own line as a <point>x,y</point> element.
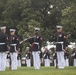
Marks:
<point>61,45</point>
<point>55,58</point>
<point>46,58</point>
<point>35,45</point>
<point>14,44</point>
<point>74,56</point>
<point>3,48</point>
<point>28,57</point>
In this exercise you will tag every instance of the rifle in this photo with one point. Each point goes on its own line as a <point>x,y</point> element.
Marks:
<point>10,63</point>
<point>23,41</point>
<point>26,39</point>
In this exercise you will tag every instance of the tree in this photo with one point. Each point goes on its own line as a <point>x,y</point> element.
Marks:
<point>24,15</point>
<point>69,20</point>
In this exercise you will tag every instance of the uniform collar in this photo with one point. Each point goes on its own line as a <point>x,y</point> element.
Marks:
<point>59,32</point>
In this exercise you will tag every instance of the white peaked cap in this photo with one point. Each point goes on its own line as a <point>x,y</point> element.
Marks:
<point>12,30</point>
<point>27,48</point>
<point>59,27</point>
<point>37,29</point>
<point>3,27</point>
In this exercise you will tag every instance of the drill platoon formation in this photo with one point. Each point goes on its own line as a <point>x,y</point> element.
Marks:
<point>10,52</point>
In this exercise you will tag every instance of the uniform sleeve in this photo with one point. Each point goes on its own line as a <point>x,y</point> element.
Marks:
<point>40,42</point>
<point>65,41</point>
<point>6,41</point>
<point>55,39</point>
<point>31,40</point>
<point>17,42</point>
<point>49,55</point>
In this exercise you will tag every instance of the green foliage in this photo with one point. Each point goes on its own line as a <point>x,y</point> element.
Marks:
<point>69,20</point>
<point>24,15</point>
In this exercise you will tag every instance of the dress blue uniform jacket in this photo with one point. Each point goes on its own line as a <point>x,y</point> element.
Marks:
<point>14,40</point>
<point>60,37</point>
<point>35,43</point>
<point>3,39</point>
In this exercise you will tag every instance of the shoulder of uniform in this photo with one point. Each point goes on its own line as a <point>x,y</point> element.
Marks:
<point>64,35</point>
<point>40,37</point>
<point>17,37</point>
<point>6,35</point>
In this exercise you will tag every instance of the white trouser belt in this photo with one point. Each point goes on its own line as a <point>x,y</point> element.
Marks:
<point>13,44</point>
<point>2,43</point>
<point>59,42</point>
<point>36,43</point>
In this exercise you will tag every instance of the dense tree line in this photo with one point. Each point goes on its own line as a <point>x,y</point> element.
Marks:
<point>24,15</point>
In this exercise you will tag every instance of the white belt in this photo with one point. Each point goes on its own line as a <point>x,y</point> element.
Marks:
<point>13,44</point>
<point>59,42</point>
<point>36,43</point>
<point>2,43</point>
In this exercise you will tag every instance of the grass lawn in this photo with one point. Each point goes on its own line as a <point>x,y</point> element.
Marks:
<point>42,71</point>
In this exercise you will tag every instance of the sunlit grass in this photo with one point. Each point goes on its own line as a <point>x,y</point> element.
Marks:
<point>42,71</point>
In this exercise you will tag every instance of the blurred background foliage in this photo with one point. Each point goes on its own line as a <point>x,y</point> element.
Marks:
<point>24,15</point>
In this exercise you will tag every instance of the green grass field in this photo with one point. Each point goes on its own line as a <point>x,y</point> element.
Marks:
<point>42,71</point>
